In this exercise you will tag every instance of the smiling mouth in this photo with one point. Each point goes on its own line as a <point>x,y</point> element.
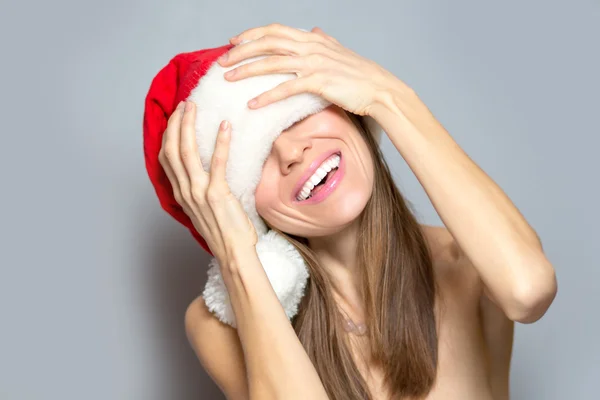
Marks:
<point>326,178</point>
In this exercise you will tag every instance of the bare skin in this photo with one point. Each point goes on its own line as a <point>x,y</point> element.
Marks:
<point>489,263</point>
<point>474,336</point>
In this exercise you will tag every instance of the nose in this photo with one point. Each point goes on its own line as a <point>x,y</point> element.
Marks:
<point>290,150</point>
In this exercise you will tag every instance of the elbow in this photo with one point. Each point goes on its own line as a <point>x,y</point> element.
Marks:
<point>531,299</point>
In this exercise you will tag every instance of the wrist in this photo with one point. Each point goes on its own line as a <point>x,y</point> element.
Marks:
<point>398,103</point>
<point>241,258</point>
<point>386,108</point>
<point>387,98</point>
<point>388,87</point>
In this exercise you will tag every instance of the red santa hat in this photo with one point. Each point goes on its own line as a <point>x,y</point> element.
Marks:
<point>197,77</point>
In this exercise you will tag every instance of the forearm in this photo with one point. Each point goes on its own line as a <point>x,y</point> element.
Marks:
<point>277,365</point>
<point>487,226</point>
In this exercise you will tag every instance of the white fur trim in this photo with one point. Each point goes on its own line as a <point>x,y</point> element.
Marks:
<point>253,131</point>
<point>252,136</point>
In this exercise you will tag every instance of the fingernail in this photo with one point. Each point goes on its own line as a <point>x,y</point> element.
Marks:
<point>252,103</point>
<point>224,125</point>
<point>188,106</point>
<point>180,105</point>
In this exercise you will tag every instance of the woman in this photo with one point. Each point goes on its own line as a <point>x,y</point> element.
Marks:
<point>428,312</point>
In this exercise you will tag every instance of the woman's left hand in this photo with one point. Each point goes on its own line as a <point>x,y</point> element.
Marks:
<point>324,67</point>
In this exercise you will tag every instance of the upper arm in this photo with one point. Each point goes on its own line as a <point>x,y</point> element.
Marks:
<point>218,348</point>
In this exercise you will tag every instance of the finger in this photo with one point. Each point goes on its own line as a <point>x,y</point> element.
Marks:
<point>269,65</point>
<point>322,33</point>
<point>266,45</point>
<point>219,159</point>
<point>189,152</point>
<point>174,119</point>
<point>203,224</point>
<point>169,152</point>
<point>173,153</point>
<point>282,91</point>
<point>276,29</point>
<point>318,30</point>
<point>172,178</point>
<point>188,169</point>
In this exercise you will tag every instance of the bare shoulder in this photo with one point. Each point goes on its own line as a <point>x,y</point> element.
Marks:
<point>218,348</point>
<point>461,286</point>
<point>452,273</point>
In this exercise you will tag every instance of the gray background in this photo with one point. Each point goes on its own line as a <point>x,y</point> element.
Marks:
<point>95,277</point>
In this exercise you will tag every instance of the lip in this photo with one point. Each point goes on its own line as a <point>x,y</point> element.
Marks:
<point>328,187</point>
<point>311,170</point>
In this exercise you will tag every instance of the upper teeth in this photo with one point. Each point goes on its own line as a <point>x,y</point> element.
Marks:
<point>329,164</point>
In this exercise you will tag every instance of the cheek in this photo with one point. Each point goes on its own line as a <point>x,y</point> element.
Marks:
<point>265,195</point>
<point>369,167</point>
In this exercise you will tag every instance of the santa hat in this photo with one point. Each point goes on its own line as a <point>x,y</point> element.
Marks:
<point>197,77</point>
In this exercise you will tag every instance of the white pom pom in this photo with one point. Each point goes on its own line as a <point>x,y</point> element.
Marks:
<point>284,267</point>
<point>216,296</point>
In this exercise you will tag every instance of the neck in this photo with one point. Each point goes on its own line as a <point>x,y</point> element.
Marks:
<point>337,254</point>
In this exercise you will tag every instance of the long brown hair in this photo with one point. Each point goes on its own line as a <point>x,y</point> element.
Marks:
<point>398,290</point>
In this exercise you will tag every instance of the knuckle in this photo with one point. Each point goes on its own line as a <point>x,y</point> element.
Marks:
<point>286,90</point>
<point>323,78</point>
<point>314,60</point>
<point>217,160</point>
<point>213,195</point>
<point>319,47</point>
<point>242,70</point>
<point>273,61</point>
<point>221,139</point>
<point>170,152</point>
<point>178,197</point>
<point>264,38</point>
<point>331,37</point>
<point>186,197</point>
<point>186,154</point>
<point>198,195</point>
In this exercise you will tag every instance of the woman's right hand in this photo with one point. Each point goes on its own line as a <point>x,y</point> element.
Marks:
<point>205,197</point>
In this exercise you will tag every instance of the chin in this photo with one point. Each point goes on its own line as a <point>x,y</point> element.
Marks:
<point>324,222</point>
